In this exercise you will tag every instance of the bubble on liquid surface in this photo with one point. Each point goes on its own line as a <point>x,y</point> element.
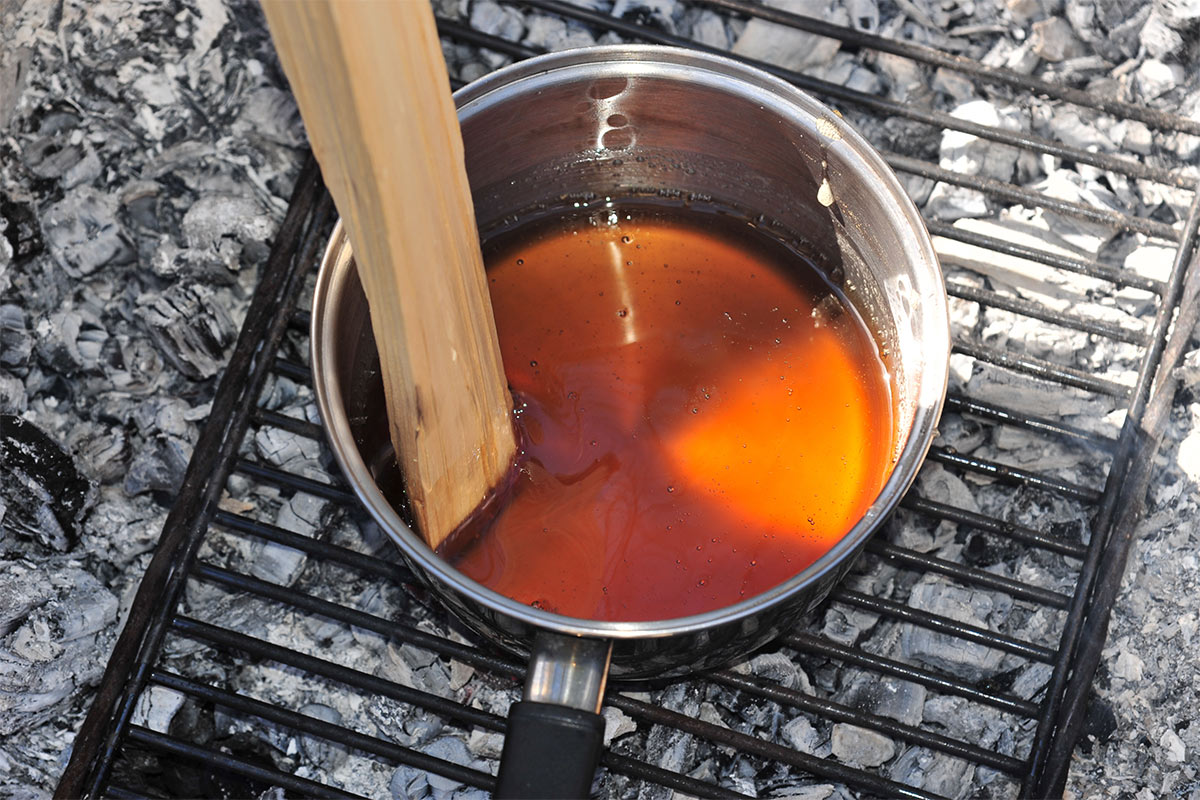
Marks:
<point>607,87</point>
<point>617,138</point>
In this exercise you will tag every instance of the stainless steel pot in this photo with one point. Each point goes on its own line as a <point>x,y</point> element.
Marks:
<point>613,122</point>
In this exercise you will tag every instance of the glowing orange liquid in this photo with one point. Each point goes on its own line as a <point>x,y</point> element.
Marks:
<point>702,416</point>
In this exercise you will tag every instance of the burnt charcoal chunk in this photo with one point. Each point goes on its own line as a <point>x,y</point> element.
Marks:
<point>1100,723</point>
<point>189,327</point>
<point>43,493</point>
<point>159,467</point>
<point>69,341</point>
<point>20,228</point>
<point>84,234</point>
<point>12,394</point>
<point>16,343</point>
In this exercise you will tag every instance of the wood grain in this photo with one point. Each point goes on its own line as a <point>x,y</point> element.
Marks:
<point>372,88</point>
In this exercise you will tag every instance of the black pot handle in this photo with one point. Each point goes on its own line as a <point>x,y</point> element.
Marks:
<point>555,735</point>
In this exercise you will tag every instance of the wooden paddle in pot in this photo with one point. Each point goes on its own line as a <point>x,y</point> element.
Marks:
<point>372,87</point>
<point>373,90</point>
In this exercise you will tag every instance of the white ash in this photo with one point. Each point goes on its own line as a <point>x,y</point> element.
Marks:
<point>179,151</point>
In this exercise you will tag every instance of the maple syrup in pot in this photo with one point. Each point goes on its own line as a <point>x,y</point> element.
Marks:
<point>702,415</point>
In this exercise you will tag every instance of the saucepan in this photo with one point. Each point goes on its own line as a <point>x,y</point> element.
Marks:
<point>646,121</point>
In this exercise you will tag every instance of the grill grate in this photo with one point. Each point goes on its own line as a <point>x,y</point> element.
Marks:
<point>117,758</point>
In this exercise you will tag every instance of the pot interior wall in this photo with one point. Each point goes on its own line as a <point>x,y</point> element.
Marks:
<point>556,141</point>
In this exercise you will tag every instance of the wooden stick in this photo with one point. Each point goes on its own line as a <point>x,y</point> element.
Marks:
<point>372,87</point>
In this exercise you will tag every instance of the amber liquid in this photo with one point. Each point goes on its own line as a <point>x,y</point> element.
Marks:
<point>702,415</point>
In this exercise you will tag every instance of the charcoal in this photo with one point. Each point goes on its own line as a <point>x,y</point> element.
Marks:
<point>788,47</point>
<point>1156,78</point>
<point>324,753</point>
<point>421,729</point>
<point>860,747</point>
<point>848,625</point>
<point>936,773</point>
<point>616,724</point>
<point>16,342</point>
<point>490,744</point>
<point>1160,38</point>
<point>21,591</point>
<point>460,674</point>
<point>1053,40</point>
<point>140,367</point>
<point>52,155</point>
<point>121,529</point>
<point>289,451</point>
<point>156,708</point>
<point>214,219</point>
<point>168,415</point>
<point>271,114</point>
<point>53,649</point>
<point>12,394</point>
<point>658,14</point>
<point>708,28</point>
<point>158,466</point>
<point>800,734</point>
<point>70,340</point>
<point>42,492</point>
<point>409,783</point>
<point>885,697</point>
<point>189,326</point>
<point>1031,680</point>
<point>780,669</point>
<point>102,451</point>
<point>968,154</point>
<point>491,17</point>
<point>83,233</point>
<point>957,656</point>
<point>822,791</point>
<point>452,749</point>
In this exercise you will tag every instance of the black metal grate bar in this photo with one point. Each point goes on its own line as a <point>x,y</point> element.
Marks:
<point>325,730</point>
<point>968,575</point>
<point>290,480</point>
<point>1014,475</point>
<point>455,30</point>
<point>301,427</point>
<point>169,745</point>
<point>441,706</point>
<point>960,630</point>
<point>227,639</point>
<point>373,565</point>
<point>1080,631</point>
<point>883,106</point>
<point>1117,220</point>
<point>1028,308</point>
<point>121,793</point>
<point>820,767</point>
<point>670,780</point>
<point>1041,368</point>
<point>1011,530</point>
<point>967,66</point>
<point>1131,441</point>
<point>841,713</point>
<point>1009,416</point>
<point>409,634</point>
<point>1090,268</point>
<point>100,734</point>
<point>1121,528</point>
<point>293,370</point>
<point>806,643</point>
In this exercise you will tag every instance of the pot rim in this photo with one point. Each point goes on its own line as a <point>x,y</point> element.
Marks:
<point>646,59</point>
